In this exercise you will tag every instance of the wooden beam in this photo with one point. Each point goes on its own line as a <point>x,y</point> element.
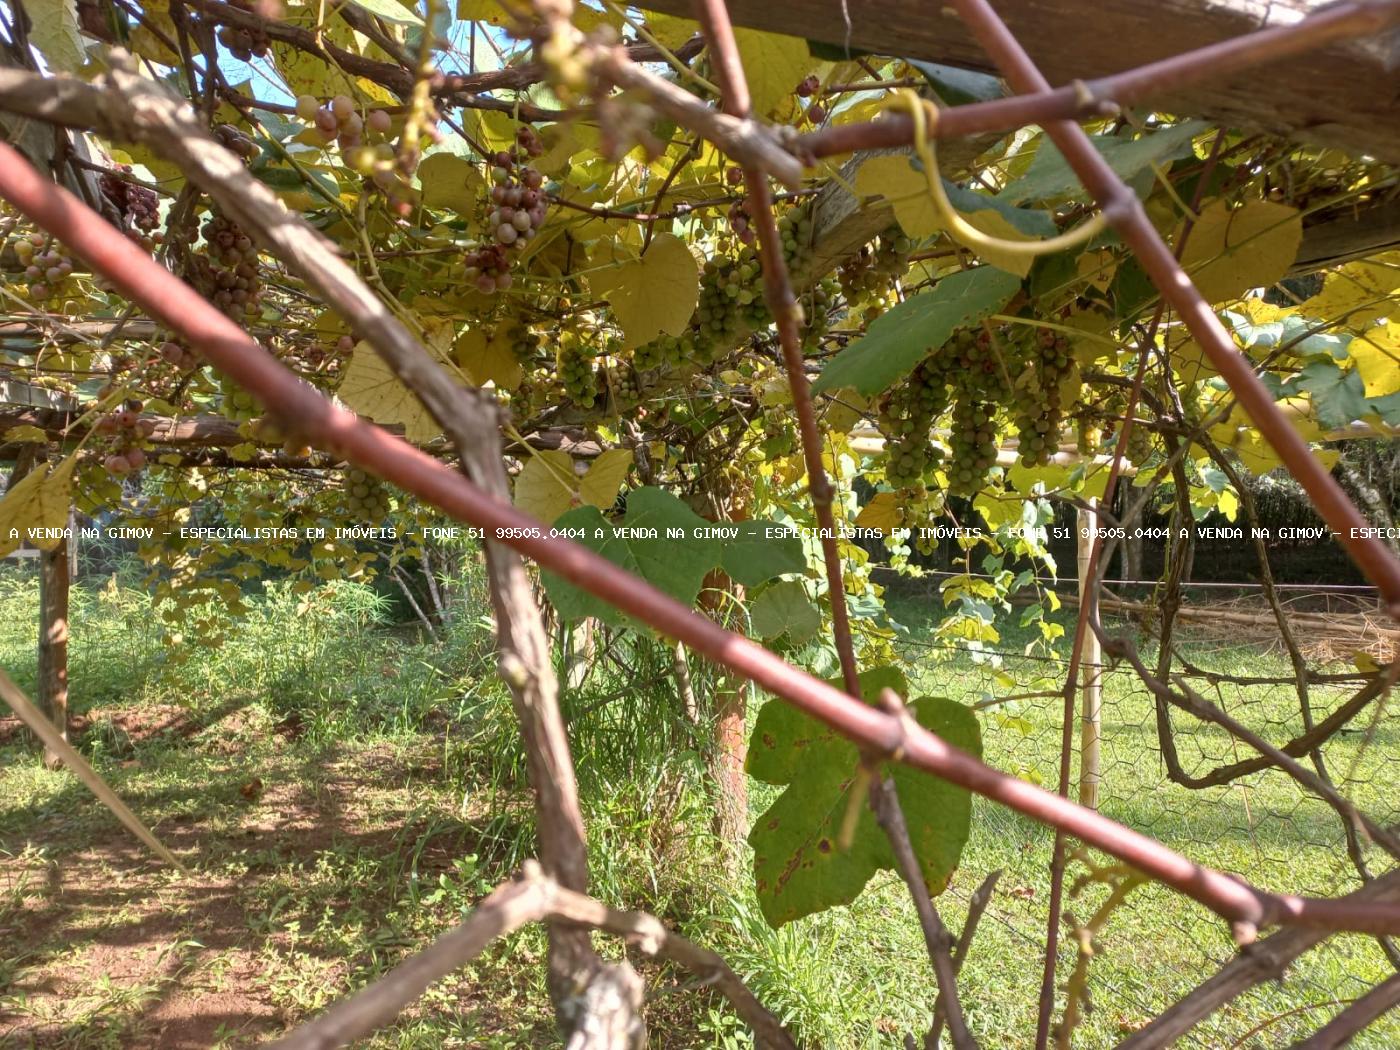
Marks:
<point>1344,95</point>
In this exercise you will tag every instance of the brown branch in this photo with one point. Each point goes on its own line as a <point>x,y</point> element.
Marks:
<point>976,907</point>
<point>1339,1031</point>
<point>529,897</point>
<point>1264,961</point>
<point>884,799</point>
<point>452,88</point>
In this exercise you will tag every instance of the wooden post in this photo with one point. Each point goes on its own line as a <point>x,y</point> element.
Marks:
<point>1091,704</point>
<point>53,641</point>
<point>731,744</point>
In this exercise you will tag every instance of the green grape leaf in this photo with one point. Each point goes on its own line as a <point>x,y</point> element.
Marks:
<point>752,558</point>
<point>1050,178</point>
<point>40,500</point>
<point>956,86</point>
<point>799,867</point>
<point>1338,397</point>
<point>784,608</point>
<point>900,338</point>
<point>53,29</point>
<point>782,732</point>
<point>675,564</point>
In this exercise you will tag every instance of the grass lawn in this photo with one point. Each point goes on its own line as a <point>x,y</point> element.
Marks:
<point>344,791</point>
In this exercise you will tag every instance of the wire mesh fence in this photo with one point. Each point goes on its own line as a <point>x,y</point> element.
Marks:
<point>1262,826</point>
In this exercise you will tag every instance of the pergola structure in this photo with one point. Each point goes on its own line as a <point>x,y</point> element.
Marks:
<point>1339,113</point>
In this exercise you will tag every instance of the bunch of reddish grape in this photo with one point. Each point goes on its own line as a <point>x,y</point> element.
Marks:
<point>178,355</point>
<point>128,432</point>
<point>228,274</point>
<point>518,209</point>
<point>338,120</point>
<point>45,267</point>
<point>138,205</point>
<point>810,85</point>
<point>244,42</point>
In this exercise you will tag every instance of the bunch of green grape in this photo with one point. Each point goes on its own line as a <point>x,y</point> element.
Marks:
<point>366,497</point>
<point>577,375</point>
<point>870,275</point>
<point>906,417</point>
<point>236,404</point>
<point>1044,359</point>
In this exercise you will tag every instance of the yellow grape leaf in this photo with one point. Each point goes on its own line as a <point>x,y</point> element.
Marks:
<point>543,487</point>
<point>774,64</point>
<point>844,409</point>
<point>371,390</point>
<point>602,483</point>
<point>1376,355</point>
<point>145,43</point>
<point>25,433</point>
<point>39,500</point>
<point>996,224</point>
<point>672,32</point>
<point>449,181</point>
<point>893,178</point>
<point>997,512</point>
<point>487,358</point>
<point>1191,363</point>
<point>1365,662</point>
<point>53,29</point>
<point>1229,252</point>
<point>654,294</point>
<point>882,512</point>
<point>1357,294</point>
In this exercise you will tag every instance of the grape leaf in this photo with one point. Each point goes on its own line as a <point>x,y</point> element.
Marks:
<point>390,11</point>
<point>1376,355</point>
<point>53,29</point>
<point>955,86</point>
<point>654,294</point>
<point>784,608</point>
<point>675,565</point>
<point>882,512</point>
<point>39,500</point>
<point>900,338</point>
<point>1049,177</point>
<point>752,558</point>
<point>1229,252</point>
<point>544,487</point>
<point>371,390</point>
<point>452,182</point>
<point>799,868</point>
<point>905,187</point>
<point>599,487</point>
<point>1338,397</point>
<point>487,358</point>
<point>775,65</point>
